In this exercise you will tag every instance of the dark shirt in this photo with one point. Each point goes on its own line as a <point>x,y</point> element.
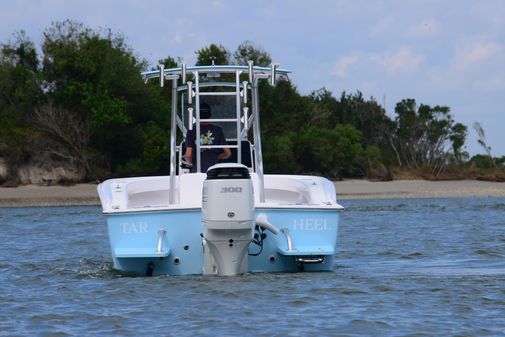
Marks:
<point>209,135</point>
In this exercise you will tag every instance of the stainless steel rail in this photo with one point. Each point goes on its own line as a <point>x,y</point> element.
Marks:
<point>289,241</point>
<point>246,117</point>
<point>161,239</point>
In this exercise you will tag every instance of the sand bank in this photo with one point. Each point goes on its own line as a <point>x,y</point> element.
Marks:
<point>31,195</point>
<point>362,189</point>
<point>85,194</point>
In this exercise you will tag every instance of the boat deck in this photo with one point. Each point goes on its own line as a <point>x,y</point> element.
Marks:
<point>151,193</point>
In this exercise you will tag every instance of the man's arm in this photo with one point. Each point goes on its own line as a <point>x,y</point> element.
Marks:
<point>225,154</point>
<point>189,154</point>
<point>221,140</point>
<point>190,142</point>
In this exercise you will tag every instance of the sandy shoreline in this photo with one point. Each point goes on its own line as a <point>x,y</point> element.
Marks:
<point>362,189</point>
<point>85,194</point>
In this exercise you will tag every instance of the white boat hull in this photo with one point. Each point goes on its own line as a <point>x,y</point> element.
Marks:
<point>167,240</point>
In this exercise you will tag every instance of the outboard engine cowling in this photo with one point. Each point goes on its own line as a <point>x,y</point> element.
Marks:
<point>227,219</point>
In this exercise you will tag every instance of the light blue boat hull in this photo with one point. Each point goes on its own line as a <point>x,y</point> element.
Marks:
<point>134,237</point>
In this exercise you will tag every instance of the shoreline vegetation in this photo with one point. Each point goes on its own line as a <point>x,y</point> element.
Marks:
<point>86,194</point>
<point>75,109</point>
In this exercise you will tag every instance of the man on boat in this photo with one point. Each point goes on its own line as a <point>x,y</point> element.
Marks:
<point>209,135</point>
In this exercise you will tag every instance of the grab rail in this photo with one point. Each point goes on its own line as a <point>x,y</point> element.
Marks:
<point>159,243</point>
<point>310,259</point>
<point>289,241</point>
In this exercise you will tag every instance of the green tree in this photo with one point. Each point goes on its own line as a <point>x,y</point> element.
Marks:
<point>334,152</point>
<point>248,51</point>
<point>426,135</point>
<point>169,62</point>
<point>458,138</point>
<point>482,161</point>
<point>96,77</point>
<point>365,115</point>
<point>20,92</point>
<point>327,110</point>
<point>482,140</point>
<point>213,53</point>
<point>87,105</point>
<point>19,87</point>
<point>279,154</point>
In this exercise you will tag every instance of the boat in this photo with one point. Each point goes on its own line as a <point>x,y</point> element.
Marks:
<point>232,218</point>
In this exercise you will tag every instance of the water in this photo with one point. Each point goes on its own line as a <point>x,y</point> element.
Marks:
<point>404,267</point>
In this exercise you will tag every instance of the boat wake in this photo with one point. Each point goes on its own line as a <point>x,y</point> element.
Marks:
<point>96,269</point>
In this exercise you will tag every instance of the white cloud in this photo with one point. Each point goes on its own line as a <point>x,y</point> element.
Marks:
<point>482,65</point>
<point>343,64</point>
<point>404,60</point>
<point>477,53</point>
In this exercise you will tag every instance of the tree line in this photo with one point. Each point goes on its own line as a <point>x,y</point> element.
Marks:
<point>81,104</point>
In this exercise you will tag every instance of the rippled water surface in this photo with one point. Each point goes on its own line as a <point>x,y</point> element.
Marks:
<point>403,267</point>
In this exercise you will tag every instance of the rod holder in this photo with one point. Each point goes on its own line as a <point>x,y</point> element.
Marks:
<point>273,73</point>
<point>183,73</point>
<point>246,117</point>
<point>190,119</point>
<point>250,71</point>
<point>190,92</point>
<point>161,67</point>
<point>244,91</point>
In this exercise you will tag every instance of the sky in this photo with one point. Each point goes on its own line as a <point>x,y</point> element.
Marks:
<point>439,52</point>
